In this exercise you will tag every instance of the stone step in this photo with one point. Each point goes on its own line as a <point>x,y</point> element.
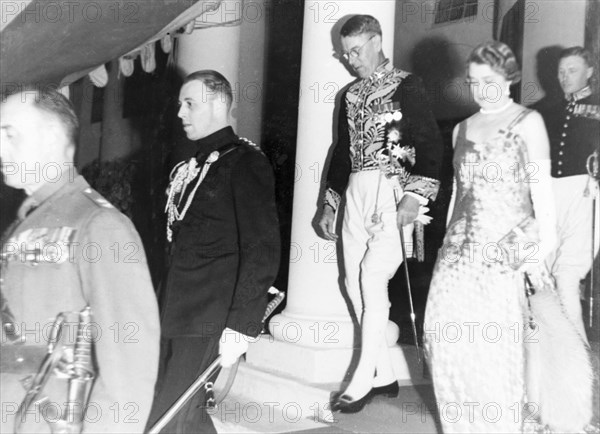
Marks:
<point>270,401</point>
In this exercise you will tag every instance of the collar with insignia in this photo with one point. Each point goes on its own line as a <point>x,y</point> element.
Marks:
<point>385,67</point>
<point>580,94</point>
<point>45,191</point>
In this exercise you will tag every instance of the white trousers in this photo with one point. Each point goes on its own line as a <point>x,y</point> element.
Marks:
<point>372,255</point>
<point>572,259</point>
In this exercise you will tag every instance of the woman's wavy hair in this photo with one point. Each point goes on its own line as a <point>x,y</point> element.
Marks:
<point>499,57</point>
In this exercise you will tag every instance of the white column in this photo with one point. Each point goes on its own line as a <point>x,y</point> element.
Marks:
<point>314,335</point>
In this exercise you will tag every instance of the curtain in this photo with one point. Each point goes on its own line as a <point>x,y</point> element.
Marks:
<point>508,28</point>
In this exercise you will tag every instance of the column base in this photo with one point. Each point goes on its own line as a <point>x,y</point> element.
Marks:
<point>325,365</point>
<point>310,364</point>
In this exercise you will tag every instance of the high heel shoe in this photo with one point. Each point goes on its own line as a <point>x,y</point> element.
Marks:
<point>345,404</point>
<point>389,390</point>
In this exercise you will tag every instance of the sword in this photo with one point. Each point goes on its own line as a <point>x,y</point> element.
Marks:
<point>186,396</point>
<point>592,166</point>
<point>35,384</point>
<point>410,299</point>
<point>202,379</point>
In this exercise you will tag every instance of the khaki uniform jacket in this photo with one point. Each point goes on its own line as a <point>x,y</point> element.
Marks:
<point>74,250</point>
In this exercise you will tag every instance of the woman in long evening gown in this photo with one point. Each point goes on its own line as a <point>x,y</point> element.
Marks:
<point>474,322</point>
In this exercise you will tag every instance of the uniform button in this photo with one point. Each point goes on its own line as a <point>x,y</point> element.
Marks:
<point>560,163</point>
<point>562,143</point>
<point>560,152</point>
<point>566,125</point>
<point>564,134</point>
<point>560,172</point>
<point>568,117</point>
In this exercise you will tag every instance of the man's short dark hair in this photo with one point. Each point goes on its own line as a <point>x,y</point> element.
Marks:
<point>584,53</point>
<point>215,82</point>
<point>55,104</point>
<point>359,24</point>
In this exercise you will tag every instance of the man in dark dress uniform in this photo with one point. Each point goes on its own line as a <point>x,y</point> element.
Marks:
<point>222,224</point>
<point>574,132</point>
<point>389,147</point>
<point>70,248</point>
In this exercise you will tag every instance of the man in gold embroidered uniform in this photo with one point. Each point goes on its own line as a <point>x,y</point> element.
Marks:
<point>70,249</point>
<point>574,133</point>
<point>388,146</point>
<point>224,234</point>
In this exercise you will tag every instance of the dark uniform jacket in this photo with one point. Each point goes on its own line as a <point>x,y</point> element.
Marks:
<point>362,132</point>
<point>574,133</point>
<point>74,250</point>
<point>225,251</point>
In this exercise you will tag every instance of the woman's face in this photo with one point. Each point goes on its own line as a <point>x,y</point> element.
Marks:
<point>489,88</point>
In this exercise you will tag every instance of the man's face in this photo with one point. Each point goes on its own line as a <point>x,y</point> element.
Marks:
<point>197,109</point>
<point>363,52</point>
<point>24,142</point>
<point>573,74</point>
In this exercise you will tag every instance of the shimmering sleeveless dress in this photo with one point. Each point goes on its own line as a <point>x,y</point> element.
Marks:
<point>474,320</point>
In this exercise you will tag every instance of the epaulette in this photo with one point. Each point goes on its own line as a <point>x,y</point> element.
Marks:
<point>245,141</point>
<point>96,198</point>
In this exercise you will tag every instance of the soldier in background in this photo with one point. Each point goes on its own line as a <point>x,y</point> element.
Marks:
<point>574,131</point>
<point>70,249</point>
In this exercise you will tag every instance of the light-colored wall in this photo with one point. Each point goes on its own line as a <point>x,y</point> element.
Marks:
<point>548,23</point>
<point>437,52</point>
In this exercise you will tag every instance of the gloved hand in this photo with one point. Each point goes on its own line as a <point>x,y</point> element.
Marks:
<point>542,198</point>
<point>231,346</point>
<point>423,217</point>
<point>412,208</point>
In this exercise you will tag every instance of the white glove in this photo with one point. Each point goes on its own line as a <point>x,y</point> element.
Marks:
<point>231,346</point>
<point>542,198</point>
<point>422,216</point>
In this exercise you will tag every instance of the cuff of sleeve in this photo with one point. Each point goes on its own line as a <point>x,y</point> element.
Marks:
<point>229,333</point>
<point>421,185</point>
<point>332,198</point>
<point>422,200</point>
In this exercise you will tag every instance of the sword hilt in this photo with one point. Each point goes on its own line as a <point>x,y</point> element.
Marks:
<point>80,383</point>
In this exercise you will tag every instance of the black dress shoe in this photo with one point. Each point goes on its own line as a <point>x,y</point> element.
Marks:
<point>344,403</point>
<point>390,390</point>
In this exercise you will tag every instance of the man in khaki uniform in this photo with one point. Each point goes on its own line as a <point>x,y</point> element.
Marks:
<point>70,249</point>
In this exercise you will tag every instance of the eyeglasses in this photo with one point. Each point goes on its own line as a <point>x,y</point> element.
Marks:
<point>355,52</point>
